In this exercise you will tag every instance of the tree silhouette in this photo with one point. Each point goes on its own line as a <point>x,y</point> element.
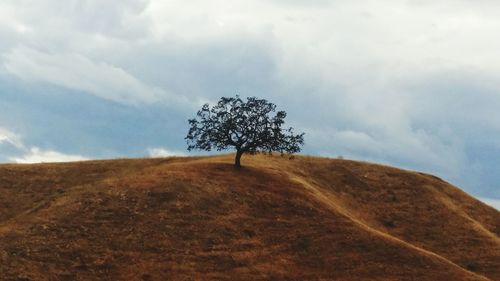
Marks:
<point>246,126</point>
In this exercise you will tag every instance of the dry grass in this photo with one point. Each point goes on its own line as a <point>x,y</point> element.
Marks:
<point>275,219</point>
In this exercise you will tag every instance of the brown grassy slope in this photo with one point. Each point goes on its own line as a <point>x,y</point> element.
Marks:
<point>276,219</point>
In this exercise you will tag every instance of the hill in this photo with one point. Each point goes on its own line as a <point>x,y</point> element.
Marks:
<point>275,219</point>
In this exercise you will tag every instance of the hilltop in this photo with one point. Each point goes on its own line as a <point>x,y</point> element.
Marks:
<point>198,218</point>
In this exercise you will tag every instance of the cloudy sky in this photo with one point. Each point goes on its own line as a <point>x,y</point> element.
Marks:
<point>412,83</point>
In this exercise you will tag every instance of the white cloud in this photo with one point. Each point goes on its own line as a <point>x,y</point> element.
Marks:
<point>495,203</point>
<point>36,155</point>
<point>32,155</point>
<point>80,73</point>
<point>11,138</point>
<point>162,152</point>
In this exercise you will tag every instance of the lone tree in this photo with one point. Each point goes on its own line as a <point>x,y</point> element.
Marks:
<point>246,126</point>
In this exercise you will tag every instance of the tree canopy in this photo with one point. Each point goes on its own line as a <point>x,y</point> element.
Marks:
<point>248,126</point>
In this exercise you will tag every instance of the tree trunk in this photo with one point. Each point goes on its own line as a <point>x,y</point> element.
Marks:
<point>237,159</point>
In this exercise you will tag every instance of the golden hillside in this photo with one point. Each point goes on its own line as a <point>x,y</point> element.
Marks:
<point>275,219</point>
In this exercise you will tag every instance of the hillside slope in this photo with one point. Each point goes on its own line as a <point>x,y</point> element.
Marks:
<point>275,219</point>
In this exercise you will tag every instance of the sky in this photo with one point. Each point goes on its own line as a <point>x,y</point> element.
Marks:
<point>414,84</point>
